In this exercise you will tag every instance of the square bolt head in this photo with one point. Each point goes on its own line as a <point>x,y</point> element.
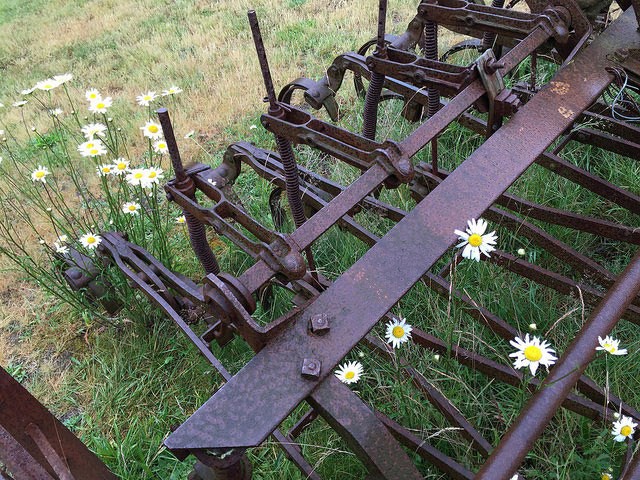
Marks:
<point>319,324</point>
<point>311,368</point>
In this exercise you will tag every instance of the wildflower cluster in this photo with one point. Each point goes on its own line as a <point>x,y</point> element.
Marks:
<point>72,150</point>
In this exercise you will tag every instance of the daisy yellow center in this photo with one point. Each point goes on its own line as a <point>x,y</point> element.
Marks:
<point>91,240</point>
<point>152,174</point>
<point>153,128</point>
<point>605,476</point>
<point>138,175</point>
<point>162,145</point>
<point>93,151</point>
<point>533,353</point>
<point>100,105</point>
<point>121,166</point>
<point>39,174</point>
<point>349,375</point>
<point>132,208</point>
<point>626,430</point>
<point>106,169</point>
<point>398,331</point>
<point>475,240</point>
<point>93,96</point>
<point>89,145</point>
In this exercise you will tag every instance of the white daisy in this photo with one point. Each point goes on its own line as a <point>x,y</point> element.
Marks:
<point>171,91</point>
<point>606,476</point>
<point>152,130</point>
<point>40,174</point>
<point>532,353</point>
<point>55,112</point>
<point>100,105</point>
<point>146,98</point>
<point>60,248</point>
<point>20,103</point>
<point>121,166</point>
<point>136,176</point>
<point>181,219</point>
<point>160,147</point>
<point>92,148</point>
<point>623,428</point>
<point>48,84</point>
<point>349,372</point>
<point>132,208</point>
<point>610,345</point>
<point>63,78</point>
<point>190,134</point>
<point>92,94</point>
<point>398,332</point>
<point>152,176</point>
<point>90,240</point>
<point>104,170</point>
<point>92,129</point>
<point>475,241</point>
<point>62,239</point>
<point>27,91</point>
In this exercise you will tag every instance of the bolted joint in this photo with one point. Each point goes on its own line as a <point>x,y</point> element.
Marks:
<point>395,162</point>
<point>311,368</point>
<point>319,324</point>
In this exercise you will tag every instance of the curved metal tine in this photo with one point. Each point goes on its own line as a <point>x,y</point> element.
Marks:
<point>631,470</point>
<point>316,93</point>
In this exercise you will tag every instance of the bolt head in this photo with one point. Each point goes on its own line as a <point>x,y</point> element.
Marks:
<point>319,324</point>
<point>311,368</point>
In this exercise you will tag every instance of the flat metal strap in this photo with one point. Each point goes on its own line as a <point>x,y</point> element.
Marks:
<point>248,408</point>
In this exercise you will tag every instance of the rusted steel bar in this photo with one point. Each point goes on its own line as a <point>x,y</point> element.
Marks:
<point>632,471</point>
<point>37,434</point>
<point>363,431</point>
<point>563,376</point>
<point>303,423</point>
<point>17,460</point>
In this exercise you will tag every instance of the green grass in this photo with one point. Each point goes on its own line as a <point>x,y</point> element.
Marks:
<point>122,388</point>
